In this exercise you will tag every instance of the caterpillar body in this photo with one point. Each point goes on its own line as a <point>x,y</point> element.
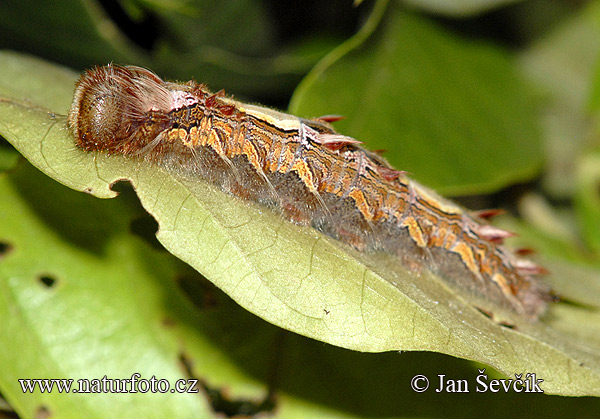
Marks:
<point>305,170</point>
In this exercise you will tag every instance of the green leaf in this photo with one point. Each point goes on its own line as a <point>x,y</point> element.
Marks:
<point>451,112</point>
<point>562,64</point>
<point>186,37</point>
<point>66,307</point>
<point>292,276</point>
<point>183,17</point>
<point>590,19</point>
<point>457,7</point>
<point>8,157</point>
<point>114,303</point>
<point>114,310</point>
<point>587,199</point>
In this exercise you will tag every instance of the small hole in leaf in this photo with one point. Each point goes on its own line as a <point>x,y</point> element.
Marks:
<point>42,412</point>
<point>5,249</point>
<point>223,404</point>
<point>168,322</point>
<point>47,280</point>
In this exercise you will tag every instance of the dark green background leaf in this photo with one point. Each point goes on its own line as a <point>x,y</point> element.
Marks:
<point>233,44</point>
<point>452,112</point>
<point>457,7</point>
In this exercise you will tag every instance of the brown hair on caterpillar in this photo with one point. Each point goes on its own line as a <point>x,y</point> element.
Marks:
<point>307,171</point>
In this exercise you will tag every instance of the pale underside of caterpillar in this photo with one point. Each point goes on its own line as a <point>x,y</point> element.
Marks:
<point>305,170</point>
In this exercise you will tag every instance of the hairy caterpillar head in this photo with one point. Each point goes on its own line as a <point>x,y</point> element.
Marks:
<point>112,106</point>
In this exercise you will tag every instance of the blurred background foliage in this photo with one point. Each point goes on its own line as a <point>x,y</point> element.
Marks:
<point>458,83</point>
<point>494,97</point>
<point>257,49</point>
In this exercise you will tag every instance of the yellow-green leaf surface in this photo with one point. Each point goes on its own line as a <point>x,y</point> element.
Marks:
<point>290,276</point>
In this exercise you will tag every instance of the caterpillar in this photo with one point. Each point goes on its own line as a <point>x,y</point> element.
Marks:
<point>305,170</point>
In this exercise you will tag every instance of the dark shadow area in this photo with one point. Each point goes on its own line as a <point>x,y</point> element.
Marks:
<point>513,25</point>
<point>91,221</point>
<point>145,227</point>
<point>296,19</point>
<point>6,410</point>
<point>143,29</point>
<point>199,290</point>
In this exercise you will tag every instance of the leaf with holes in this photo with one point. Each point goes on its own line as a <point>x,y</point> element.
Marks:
<point>292,276</point>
